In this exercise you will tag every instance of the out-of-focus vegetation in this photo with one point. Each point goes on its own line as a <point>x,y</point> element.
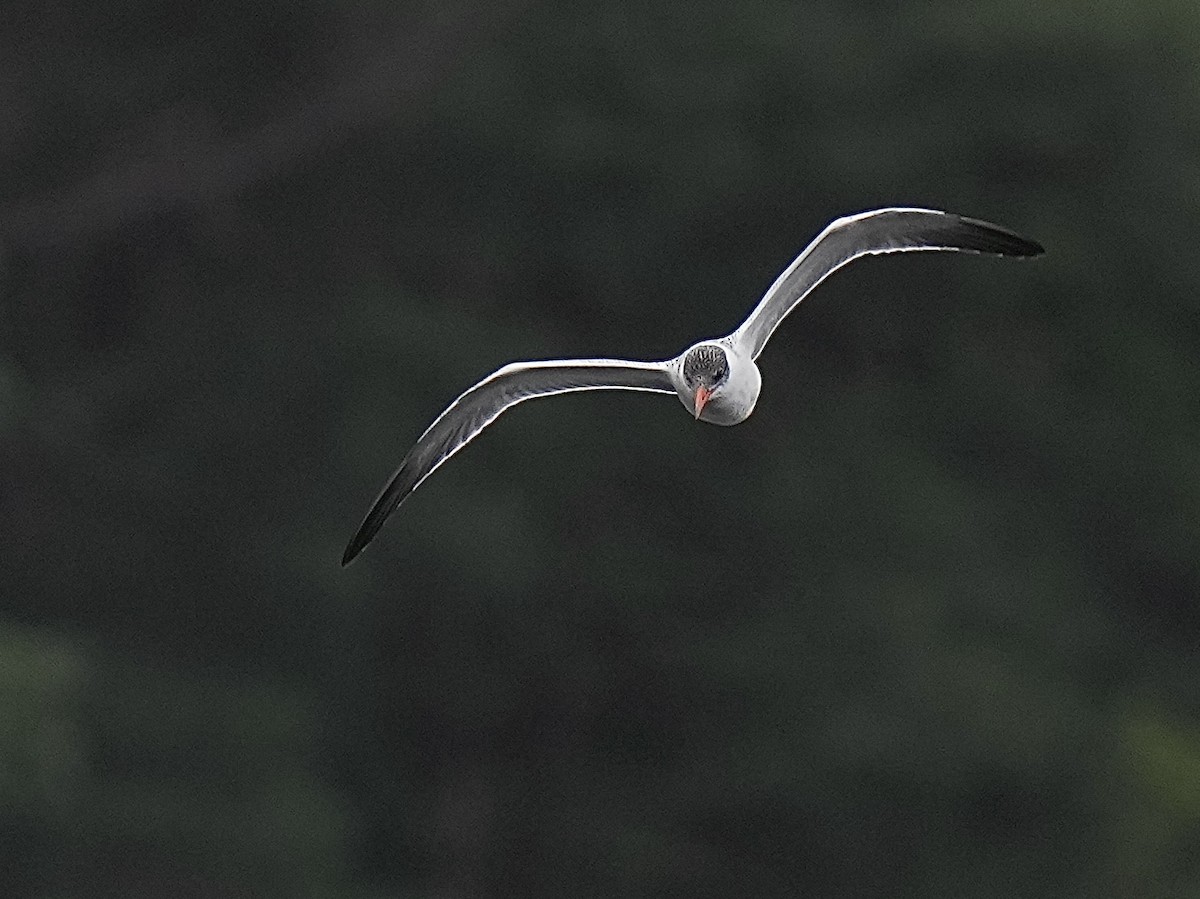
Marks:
<point>925,625</point>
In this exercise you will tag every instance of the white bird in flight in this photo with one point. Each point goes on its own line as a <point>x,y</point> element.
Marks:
<point>716,380</point>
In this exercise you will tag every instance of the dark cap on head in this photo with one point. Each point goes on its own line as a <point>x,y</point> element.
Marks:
<point>705,365</point>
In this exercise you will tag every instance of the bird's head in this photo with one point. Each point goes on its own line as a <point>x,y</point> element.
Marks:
<point>705,372</point>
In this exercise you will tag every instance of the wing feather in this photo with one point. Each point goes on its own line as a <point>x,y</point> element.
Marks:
<point>892,230</point>
<point>484,403</point>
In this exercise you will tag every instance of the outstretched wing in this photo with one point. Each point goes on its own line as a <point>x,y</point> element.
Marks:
<point>893,230</point>
<point>483,404</point>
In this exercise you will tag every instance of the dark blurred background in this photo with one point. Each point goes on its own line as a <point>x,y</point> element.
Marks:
<point>925,625</point>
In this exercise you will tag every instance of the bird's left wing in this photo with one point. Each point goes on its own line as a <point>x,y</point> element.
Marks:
<point>892,230</point>
<point>483,403</point>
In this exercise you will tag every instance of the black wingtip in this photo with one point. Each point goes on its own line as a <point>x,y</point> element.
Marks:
<point>365,534</point>
<point>393,494</point>
<point>993,238</point>
<point>1023,246</point>
<point>353,548</point>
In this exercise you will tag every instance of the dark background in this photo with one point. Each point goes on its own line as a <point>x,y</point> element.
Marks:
<point>925,625</point>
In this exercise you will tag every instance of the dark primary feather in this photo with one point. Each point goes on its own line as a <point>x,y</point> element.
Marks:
<point>882,231</point>
<point>482,404</point>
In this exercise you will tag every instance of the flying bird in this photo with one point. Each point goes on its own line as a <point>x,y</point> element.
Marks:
<point>717,380</point>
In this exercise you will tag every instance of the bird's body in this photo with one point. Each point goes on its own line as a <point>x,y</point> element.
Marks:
<point>728,375</point>
<point>717,380</point>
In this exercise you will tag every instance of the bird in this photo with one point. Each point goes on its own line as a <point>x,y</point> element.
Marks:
<point>717,380</point>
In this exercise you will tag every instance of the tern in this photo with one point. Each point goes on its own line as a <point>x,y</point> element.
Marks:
<point>717,380</point>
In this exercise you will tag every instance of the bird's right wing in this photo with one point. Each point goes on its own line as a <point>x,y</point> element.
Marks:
<point>483,404</point>
<point>893,230</point>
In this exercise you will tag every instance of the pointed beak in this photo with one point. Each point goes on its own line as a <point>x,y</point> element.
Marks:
<point>701,400</point>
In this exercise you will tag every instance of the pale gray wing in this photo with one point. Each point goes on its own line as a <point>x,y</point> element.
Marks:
<point>893,230</point>
<point>483,403</point>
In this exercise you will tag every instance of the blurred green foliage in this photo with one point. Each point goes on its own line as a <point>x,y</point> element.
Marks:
<point>925,625</point>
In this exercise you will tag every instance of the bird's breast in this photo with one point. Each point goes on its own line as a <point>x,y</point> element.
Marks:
<point>723,414</point>
<point>734,402</point>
